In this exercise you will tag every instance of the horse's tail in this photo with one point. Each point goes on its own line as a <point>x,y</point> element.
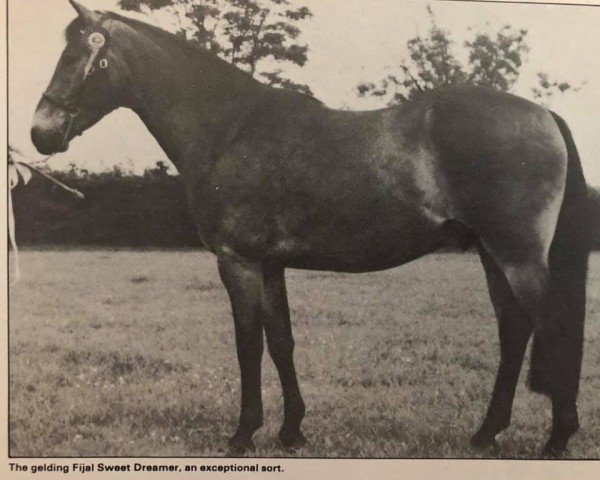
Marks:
<point>558,342</point>
<point>594,207</point>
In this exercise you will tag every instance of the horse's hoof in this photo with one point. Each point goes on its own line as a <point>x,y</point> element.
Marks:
<point>239,446</point>
<point>555,448</point>
<point>484,439</point>
<point>292,439</point>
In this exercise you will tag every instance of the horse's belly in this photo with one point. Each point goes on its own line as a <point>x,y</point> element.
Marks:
<point>381,245</point>
<point>363,230</point>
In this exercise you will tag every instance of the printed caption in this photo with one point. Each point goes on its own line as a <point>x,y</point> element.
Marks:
<point>80,468</point>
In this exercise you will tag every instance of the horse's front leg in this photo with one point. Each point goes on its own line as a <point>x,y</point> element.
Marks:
<point>281,347</point>
<point>243,282</point>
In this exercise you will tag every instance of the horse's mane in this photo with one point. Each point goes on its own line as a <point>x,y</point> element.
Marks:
<point>162,37</point>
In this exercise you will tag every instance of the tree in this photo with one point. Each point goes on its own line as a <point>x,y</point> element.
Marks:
<point>244,32</point>
<point>492,60</point>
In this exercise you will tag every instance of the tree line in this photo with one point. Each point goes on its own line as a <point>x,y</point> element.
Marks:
<point>125,210</point>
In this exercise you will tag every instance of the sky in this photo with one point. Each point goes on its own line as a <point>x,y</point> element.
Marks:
<point>350,41</point>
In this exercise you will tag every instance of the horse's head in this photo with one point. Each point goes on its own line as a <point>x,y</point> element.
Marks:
<point>90,81</point>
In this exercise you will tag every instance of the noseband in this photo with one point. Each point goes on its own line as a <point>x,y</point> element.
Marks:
<point>96,41</point>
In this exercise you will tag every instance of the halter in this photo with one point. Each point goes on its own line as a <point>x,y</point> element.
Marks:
<point>96,41</point>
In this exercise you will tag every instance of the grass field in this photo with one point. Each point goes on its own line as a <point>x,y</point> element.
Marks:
<point>121,353</point>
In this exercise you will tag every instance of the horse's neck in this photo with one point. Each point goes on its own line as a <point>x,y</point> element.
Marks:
<point>190,104</point>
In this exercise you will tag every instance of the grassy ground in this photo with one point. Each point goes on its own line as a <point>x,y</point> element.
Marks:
<point>132,353</point>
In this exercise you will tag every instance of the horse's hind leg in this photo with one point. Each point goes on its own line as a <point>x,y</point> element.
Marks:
<point>553,296</point>
<point>514,329</point>
<point>281,347</point>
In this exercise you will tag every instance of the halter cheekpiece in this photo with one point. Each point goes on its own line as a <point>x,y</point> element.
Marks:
<point>95,42</point>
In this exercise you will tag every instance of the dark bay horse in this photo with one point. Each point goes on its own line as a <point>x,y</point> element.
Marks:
<point>274,179</point>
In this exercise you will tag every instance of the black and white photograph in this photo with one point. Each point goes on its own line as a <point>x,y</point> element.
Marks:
<point>308,229</point>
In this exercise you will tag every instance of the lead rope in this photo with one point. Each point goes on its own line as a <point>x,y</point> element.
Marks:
<point>11,236</point>
<point>24,169</point>
<point>13,180</point>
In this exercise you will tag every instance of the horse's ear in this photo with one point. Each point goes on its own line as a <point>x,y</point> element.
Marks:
<point>89,16</point>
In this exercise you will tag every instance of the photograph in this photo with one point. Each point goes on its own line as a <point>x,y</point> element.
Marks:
<point>301,229</point>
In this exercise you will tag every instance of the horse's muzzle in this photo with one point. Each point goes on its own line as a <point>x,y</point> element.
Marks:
<point>48,134</point>
<point>48,142</point>
<point>50,128</point>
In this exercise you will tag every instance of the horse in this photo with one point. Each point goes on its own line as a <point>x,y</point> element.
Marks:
<point>274,180</point>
